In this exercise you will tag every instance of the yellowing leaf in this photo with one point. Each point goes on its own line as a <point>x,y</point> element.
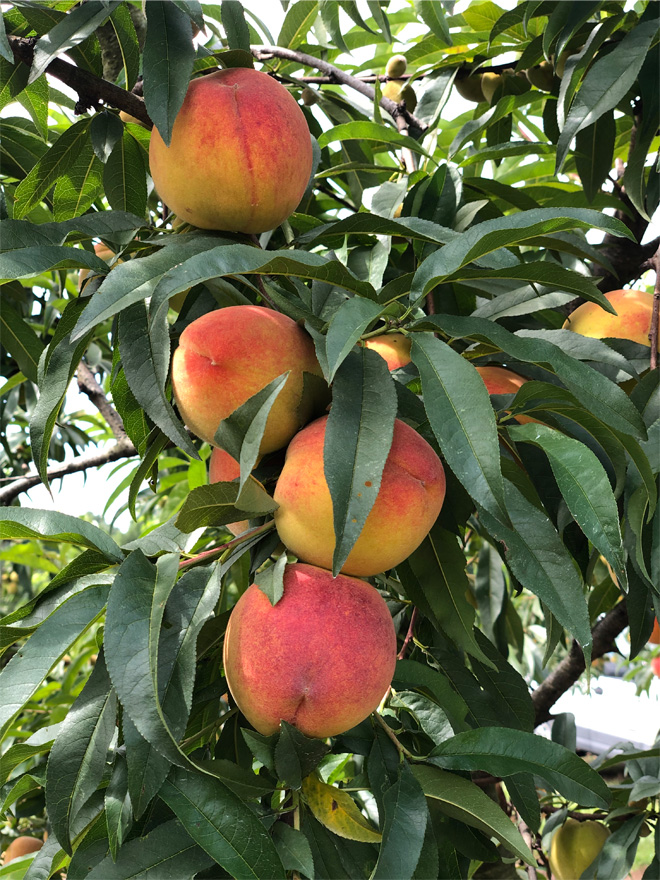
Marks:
<point>337,810</point>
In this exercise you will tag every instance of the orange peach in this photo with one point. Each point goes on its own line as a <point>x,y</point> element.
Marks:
<point>321,659</point>
<point>20,846</point>
<point>226,356</point>
<point>654,638</point>
<point>393,347</point>
<point>240,156</point>
<point>655,666</point>
<point>501,381</point>
<point>224,469</point>
<point>411,493</point>
<point>633,319</point>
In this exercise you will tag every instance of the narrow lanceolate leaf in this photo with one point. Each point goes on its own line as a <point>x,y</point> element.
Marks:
<point>125,177</point>
<point>337,810</point>
<point>28,522</point>
<point>371,131</point>
<point>537,557</point>
<point>217,505</point>
<point>127,42</point>
<point>460,413</point>
<point>503,752</point>
<point>296,755</point>
<point>594,146</point>
<point>25,672</point>
<point>463,800</point>
<point>235,25</point>
<point>143,351</point>
<point>168,61</point>
<point>20,340</point>
<point>297,22</point>
<point>168,852</point>
<point>293,849</point>
<point>30,261</point>
<point>357,442</point>
<point>222,825</point>
<point>435,581</point>
<point>606,83</point>
<point>71,30</point>
<point>403,826</point>
<point>584,485</point>
<point>118,808</point>
<point>347,325</point>
<point>491,235</point>
<point>78,757</point>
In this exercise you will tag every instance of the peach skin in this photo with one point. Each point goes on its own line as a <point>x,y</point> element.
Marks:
<point>632,321</point>
<point>393,347</point>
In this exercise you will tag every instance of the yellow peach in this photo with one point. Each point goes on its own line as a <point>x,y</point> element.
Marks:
<point>393,347</point>
<point>632,321</point>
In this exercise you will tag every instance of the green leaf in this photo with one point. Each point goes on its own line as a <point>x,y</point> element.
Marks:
<point>463,800</point>
<point>271,580</point>
<point>124,177</point>
<point>606,83</point>
<point>144,353</point>
<point>127,43</point>
<point>118,809</point>
<point>594,146</point>
<point>26,522</point>
<point>347,325</point>
<point>537,558</point>
<point>78,187</point>
<point>617,856</point>
<point>78,757</point>
<point>23,675</point>
<point>460,413</point>
<point>329,10</point>
<point>298,20</point>
<point>410,673</point>
<point>20,340</point>
<point>403,827</point>
<point>57,162</point>
<point>583,483</point>
<point>5,48</point>
<point>293,849</point>
<point>167,852</point>
<point>371,131</point>
<point>13,79</point>
<point>358,438</point>
<point>507,689</point>
<point>222,825</point>
<point>435,580</point>
<point>168,62</point>
<point>380,18</point>
<point>106,129</point>
<point>27,262</point>
<point>491,235</point>
<point>78,24</point>
<point>216,505</point>
<point>235,25</point>
<point>433,16</point>
<point>502,752</point>
<point>21,147</point>
<point>296,755</point>
<point>336,810</point>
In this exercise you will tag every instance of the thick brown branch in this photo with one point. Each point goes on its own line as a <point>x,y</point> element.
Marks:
<point>572,666</point>
<point>395,110</point>
<point>89,386</point>
<point>653,335</point>
<point>123,449</point>
<point>90,88</point>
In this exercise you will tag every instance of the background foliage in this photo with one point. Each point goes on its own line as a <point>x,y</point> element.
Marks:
<point>477,235</point>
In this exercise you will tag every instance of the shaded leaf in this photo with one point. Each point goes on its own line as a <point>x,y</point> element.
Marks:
<point>216,505</point>
<point>403,827</point>
<point>296,755</point>
<point>124,177</point>
<point>236,28</point>
<point>20,340</point>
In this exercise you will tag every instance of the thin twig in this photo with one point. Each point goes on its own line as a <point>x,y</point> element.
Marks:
<point>409,635</point>
<point>210,555</point>
<point>388,730</point>
<point>88,385</point>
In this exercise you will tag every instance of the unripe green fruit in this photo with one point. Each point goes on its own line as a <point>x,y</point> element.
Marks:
<point>309,97</point>
<point>541,76</point>
<point>489,85</point>
<point>575,846</point>
<point>398,90</point>
<point>396,66</point>
<point>470,88</point>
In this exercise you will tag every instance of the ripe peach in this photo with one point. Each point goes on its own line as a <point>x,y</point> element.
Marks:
<point>226,356</point>
<point>632,321</point>
<point>411,493</point>
<point>654,638</point>
<point>498,380</point>
<point>20,846</point>
<point>655,666</point>
<point>394,347</point>
<point>321,659</point>
<point>240,155</point>
<point>223,469</point>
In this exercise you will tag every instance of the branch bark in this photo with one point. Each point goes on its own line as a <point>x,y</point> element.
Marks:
<point>654,263</point>
<point>572,666</point>
<point>89,386</point>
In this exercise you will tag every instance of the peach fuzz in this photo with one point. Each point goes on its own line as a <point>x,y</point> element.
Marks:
<point>633,319</point>
<point>411,493</point>
<point>321,659</point>
<point>226,356</point>
<point>393,347</point>
<point>224,469</point>
<point>240,156</point>
<point>500,381</point>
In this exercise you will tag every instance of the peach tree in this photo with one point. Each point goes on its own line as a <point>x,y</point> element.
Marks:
<point>478,173</point>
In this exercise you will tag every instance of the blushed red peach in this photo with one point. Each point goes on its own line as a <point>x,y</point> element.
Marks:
<point>633,319</point>
<point>411,493</point>
<point>224,469</point>
<point>393,347</point>
<point>240,156</point>
<point>226,356</point>
<point>321,659</point>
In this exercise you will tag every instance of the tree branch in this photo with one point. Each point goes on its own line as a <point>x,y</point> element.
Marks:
<point>90,88</point>
<point>572,666</point>
<point>654,263</point>
<point>263,53</point>
<point>123,449</point>
<point>89,386</point>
